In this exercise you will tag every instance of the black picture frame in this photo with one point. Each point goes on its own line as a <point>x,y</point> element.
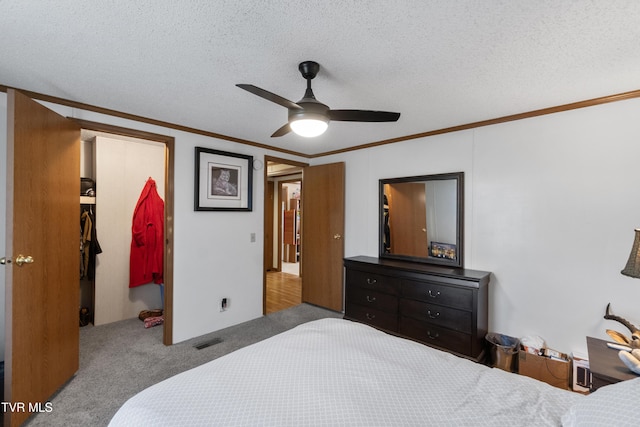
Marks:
<point>223,181</point>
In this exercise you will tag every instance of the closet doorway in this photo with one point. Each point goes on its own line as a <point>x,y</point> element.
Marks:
<point>282,249</point>
<point>121,161</point>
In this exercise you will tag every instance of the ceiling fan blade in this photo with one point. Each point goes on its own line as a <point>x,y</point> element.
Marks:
<point>363,116</point>
<point>282,131</point>
<point>269,96</point>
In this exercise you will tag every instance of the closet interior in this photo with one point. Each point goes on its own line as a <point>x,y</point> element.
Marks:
<point>114,170</point>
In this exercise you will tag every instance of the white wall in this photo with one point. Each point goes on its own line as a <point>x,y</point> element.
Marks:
<point>213,254</point>
<point>550,208</point>
<point>441,201</point>
<point>551,205</point>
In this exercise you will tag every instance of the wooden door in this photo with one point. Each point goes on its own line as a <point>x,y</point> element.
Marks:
<point>322,222</point>
<point>268,225</point>
<point>408,219</point>
<point>41,317</point>
<point>289,235</point>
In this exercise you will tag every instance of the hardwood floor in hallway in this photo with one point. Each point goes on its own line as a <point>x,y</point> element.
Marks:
<point>284,290</point>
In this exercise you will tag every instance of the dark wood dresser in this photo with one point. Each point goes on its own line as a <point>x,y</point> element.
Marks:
<point>605,365</point>
<point>442,307</point>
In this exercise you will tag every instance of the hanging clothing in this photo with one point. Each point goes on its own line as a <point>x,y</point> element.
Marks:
<point>89,246</point>
<point>147,242</point>
<point>387,228</point>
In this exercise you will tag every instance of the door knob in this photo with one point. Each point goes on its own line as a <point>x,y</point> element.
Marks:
<point>337,236</point>
<point>21,259</point>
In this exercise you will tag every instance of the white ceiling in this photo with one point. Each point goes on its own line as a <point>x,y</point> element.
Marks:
<point>439,63</point>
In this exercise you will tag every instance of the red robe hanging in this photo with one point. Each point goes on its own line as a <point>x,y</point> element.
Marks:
<point>147,243</point>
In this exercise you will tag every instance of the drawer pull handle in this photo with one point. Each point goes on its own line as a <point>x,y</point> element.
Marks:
<point>434,295</point>
<point>433,337</point>
<point>433,316</point>
<point>371,281</point>
<point>370,316</point>
<point>371,299</point>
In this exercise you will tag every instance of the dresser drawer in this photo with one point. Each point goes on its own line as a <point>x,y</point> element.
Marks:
<point>376,282</point>
<point>450,296</point>
<point>372,316</point>
<point>373,299</point>
<point>434,335</point>
<point>451,318</point>
<point>441,307</point>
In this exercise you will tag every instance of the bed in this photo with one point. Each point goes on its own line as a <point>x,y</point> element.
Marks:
<point>334,372</point>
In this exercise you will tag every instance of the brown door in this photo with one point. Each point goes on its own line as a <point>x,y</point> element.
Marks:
<point>289,234</point>
<point>268,225</point>
<point>41,317</point>
<point>408,219</point>
<point>322,218</point>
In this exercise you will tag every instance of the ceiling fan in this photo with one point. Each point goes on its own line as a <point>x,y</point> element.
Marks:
<point>309,117</point>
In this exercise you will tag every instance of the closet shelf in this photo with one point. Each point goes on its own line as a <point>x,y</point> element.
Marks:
<point>87,200</point>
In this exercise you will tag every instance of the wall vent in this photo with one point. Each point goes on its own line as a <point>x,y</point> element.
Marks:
<point>209,343</point>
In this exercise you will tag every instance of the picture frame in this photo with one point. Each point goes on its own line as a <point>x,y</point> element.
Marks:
<point>223,181</point>
<point>443,250</point>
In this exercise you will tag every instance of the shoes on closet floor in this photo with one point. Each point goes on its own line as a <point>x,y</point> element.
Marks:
<point>153,321</point>
<point>149,313</point>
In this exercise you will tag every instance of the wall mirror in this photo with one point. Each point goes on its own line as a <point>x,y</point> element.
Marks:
<point>421,219</point>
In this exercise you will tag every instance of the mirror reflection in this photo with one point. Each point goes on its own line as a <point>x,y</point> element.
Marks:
<point>421,218</point>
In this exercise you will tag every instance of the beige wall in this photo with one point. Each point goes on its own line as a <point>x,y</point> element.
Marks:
<point>122,168</point>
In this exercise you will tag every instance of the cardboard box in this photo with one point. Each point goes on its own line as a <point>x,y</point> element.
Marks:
<point>551,371</point>
<point>581,373</point>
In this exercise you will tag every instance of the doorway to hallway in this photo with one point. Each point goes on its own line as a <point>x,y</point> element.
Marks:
<point>282,250</point>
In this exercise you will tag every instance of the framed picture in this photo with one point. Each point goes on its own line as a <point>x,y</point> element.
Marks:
<point>443,250</point>
<point>223,181</point>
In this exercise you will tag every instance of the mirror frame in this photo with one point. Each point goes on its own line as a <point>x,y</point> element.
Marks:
<point>456,263</point>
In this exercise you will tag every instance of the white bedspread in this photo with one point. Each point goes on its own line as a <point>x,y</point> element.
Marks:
<point>334,372</point>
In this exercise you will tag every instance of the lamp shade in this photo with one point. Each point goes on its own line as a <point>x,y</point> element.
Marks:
<point>632,269</point>
<point>309,127</point>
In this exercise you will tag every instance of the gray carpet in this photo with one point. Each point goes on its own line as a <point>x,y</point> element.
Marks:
<point>122,358</point>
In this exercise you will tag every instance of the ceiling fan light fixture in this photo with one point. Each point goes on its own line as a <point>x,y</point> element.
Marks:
<point>309,127</point>
<point>309,117</point>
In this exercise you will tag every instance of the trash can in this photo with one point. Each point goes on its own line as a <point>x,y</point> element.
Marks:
<point>503,349</point>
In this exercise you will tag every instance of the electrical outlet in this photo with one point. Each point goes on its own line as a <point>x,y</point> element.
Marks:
<point>224,303</point>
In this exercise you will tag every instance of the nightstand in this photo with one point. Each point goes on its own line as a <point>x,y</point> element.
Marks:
<point>605,365</point>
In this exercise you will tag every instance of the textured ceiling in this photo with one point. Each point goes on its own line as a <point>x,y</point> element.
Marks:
<point>439,63</point>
